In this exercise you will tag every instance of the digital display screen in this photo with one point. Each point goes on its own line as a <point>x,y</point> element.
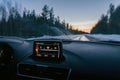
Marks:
<point>47,49</point>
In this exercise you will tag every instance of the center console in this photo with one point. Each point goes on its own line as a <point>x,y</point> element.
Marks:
<point>46,62</point>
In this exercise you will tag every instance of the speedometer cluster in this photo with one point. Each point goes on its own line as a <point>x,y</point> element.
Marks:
<point>1,52</point>
<point>5,53</point>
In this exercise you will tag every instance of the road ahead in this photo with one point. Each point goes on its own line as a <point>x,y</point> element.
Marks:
<point>83,37</point>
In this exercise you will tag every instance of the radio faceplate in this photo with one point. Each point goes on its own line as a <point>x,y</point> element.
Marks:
<point>47,49</point>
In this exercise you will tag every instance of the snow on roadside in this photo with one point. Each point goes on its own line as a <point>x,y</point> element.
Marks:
<point>82,37</point>
<point>113,37</point>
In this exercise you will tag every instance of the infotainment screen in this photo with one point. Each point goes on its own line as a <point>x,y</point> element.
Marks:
<point>48,49</point>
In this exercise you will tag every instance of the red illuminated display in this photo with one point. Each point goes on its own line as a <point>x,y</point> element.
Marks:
<point>37,49</point>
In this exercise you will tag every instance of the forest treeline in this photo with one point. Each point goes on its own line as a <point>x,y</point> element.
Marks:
<point>29,24</point>
<point>109,23</point>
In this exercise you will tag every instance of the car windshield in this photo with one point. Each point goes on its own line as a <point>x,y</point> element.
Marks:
<point>84,20</point>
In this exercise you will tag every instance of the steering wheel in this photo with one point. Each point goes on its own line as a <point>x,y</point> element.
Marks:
<point>5,54</point>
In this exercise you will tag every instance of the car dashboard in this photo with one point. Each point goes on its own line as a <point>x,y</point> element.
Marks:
<point>48,59</point>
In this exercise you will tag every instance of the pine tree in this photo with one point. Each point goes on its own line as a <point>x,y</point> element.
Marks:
<point>101,26</point>
<point>57,22</point>
<point>115,21</point>
<point>51,17</point>
<point>3,20</point>
<point>45,13</point>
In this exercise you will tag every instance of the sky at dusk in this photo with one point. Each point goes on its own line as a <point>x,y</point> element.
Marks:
<point>80,13</point>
